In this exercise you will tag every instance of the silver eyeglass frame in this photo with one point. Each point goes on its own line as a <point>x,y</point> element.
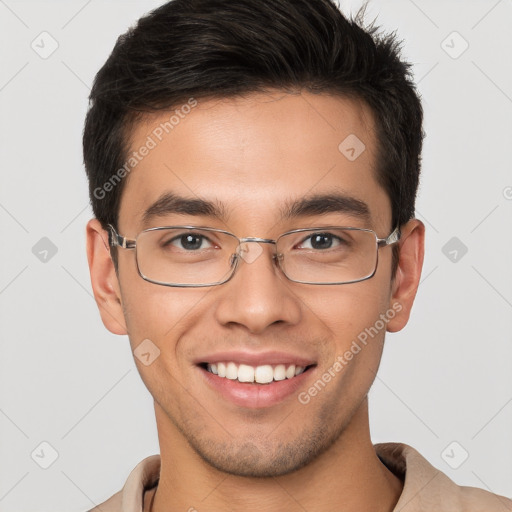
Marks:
<point>117,240</point>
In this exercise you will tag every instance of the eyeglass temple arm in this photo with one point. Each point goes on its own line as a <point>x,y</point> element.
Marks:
<point>391,239</point>
<point>114,239</point>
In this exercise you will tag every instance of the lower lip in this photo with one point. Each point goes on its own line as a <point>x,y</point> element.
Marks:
<point>253,395</point>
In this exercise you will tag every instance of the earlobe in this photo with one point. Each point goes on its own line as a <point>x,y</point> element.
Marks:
<point>104,280</point>
<point>406,282</point>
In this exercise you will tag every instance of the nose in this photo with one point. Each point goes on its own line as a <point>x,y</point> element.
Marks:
<point>258,295</point>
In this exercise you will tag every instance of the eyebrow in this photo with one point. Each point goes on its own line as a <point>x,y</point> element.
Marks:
<point>319,204</point>
<point>169,203</point>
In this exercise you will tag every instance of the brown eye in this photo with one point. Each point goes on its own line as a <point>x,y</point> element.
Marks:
<point>188,242</point>
<point>322,241</point>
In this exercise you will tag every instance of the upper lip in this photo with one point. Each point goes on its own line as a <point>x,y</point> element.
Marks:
<point>256,358</point>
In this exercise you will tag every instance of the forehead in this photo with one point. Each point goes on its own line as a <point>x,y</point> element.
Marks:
<point>254,155</point>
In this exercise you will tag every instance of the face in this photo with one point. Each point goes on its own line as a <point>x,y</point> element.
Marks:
<point>255,156</point>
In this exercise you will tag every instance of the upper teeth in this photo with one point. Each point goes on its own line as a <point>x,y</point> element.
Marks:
<point>260,374</point>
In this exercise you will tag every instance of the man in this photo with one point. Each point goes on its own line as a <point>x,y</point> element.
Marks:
<point>253,169</point>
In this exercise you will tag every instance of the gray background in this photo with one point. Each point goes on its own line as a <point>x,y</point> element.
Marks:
<point>445,382</point>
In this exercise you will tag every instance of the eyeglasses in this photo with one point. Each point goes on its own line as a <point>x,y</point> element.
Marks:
<point>191,256</point>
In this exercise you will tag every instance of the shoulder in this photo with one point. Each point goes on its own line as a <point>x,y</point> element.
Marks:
<point>130,498</point>
<point>113,504</point>
<point>427,489</point>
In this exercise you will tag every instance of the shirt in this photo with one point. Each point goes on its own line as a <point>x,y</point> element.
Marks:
<point>426,489</point>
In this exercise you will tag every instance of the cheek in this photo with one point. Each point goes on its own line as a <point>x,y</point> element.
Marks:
<point>156,318</point>
<point>353,318</point>
<point>348,310</point>
<point>355,326</point>
<point>158,313</point>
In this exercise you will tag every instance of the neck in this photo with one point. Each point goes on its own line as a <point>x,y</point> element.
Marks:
<point>348,475</point>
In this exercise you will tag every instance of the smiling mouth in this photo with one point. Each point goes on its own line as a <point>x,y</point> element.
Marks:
<point>264,374</point>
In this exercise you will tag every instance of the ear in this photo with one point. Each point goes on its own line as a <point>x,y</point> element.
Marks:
<point>104,280</point>
<point>407,278</point>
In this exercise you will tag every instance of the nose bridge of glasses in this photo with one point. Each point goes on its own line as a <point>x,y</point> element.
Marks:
<point>256,239</point>
<point>250,255</point>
